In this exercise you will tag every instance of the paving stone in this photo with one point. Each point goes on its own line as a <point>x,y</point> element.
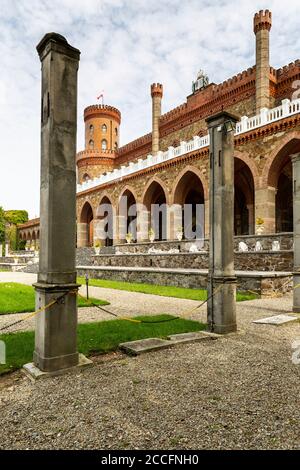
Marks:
<point>145,345</point>
<point>277,319</point>
<point>192,337</point>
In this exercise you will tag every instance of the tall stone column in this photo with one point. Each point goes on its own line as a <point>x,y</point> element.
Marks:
<point>56,328</point>
<point>156,94</point>
<point>262,26</point>
<point>296,217</point>
<point>221,311</point>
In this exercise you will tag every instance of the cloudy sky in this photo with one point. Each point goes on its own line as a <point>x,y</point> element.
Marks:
<point>125,46</point>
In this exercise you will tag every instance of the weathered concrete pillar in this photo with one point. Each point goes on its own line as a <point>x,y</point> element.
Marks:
<point>262,25</point>
<point>221,312</point>
<point>56,328</point>
<point>265,208</point>
<point>156,93</point>
<point>296,217</point>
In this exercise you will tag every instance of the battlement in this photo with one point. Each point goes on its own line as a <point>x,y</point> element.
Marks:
<point>101,110</point>
<point>288,69</point>
<point>211,93</point>
<point>262,20</point>
<point>156,89</point>
<point>232,81</point>
<point>145,139</point>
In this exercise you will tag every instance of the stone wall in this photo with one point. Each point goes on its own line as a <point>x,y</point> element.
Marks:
<point>265,284</point>
<point>248,261</point>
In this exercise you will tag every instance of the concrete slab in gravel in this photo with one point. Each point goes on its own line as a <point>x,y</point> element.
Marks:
<point>152,344</point>
<point>192,337</point>
<point>277,320</point>
<point>144,345</point>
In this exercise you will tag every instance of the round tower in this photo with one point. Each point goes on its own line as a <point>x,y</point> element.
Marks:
<point>102,123</point>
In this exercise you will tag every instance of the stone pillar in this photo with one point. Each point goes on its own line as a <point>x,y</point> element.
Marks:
<point>265,208</point>
<point>82,234</point>
<point>262,25</point>
<point>56,328</point>
<point>251,224</point>
<point>1,250</point>
<point>156,93</point>
<point>296,217</point>
<point>6,249</point>
<point>206,218</point>
<point>221,312</point>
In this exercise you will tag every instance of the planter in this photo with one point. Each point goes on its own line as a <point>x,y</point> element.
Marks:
<point>179,236</point>
<point>97,250</point>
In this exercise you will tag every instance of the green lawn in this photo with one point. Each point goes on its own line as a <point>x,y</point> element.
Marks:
<point>168,291</point>
<point>98,337</point>
<point>18,298</point>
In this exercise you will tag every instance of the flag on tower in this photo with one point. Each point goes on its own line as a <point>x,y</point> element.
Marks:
<point>101,96</point>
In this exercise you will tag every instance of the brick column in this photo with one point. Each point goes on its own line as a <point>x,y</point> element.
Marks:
<point>156,94</point>
<point>262,26</point>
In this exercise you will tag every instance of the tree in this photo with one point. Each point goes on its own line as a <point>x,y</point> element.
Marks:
<point>2,226</point>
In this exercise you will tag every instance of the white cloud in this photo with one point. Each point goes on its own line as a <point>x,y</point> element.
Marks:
<point>126,45</point>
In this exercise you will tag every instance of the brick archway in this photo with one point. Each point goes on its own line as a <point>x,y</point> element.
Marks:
<point>104,225</point>
<point>85,227</point>
<point>127,214</point>
<point>288,145</point>
<point>244,191</point>
<point>188,208</point>
<point>155,209</point>
<point>277,183</point>
<point>198,173</point>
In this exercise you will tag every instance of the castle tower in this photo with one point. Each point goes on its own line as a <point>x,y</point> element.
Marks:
<point>262,25</point>
<point>156,94</point>
<point>101,141</point>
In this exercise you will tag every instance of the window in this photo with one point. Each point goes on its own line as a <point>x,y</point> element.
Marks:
<point>104,144</point>
<point>116,130</point>
<point>85,177</point>
<point>91,129</point>
<point>116,145</point>
<point>91,144</point>
<point>104,128</point>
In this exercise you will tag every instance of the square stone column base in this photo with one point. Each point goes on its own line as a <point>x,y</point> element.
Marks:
<point>34,373</point>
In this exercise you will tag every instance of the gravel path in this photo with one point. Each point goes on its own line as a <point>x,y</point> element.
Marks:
<point>239,392</point>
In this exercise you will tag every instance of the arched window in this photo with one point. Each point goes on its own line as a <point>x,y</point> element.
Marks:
<point>104,144</point>
<point>116,145</point>
<point>86,177</point>
<point>91,129</point>
<point>91,144</point>
<point>116,130</point>
<point>104,128</point>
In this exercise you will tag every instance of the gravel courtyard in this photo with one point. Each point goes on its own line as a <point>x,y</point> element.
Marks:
<point>238,392</point>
